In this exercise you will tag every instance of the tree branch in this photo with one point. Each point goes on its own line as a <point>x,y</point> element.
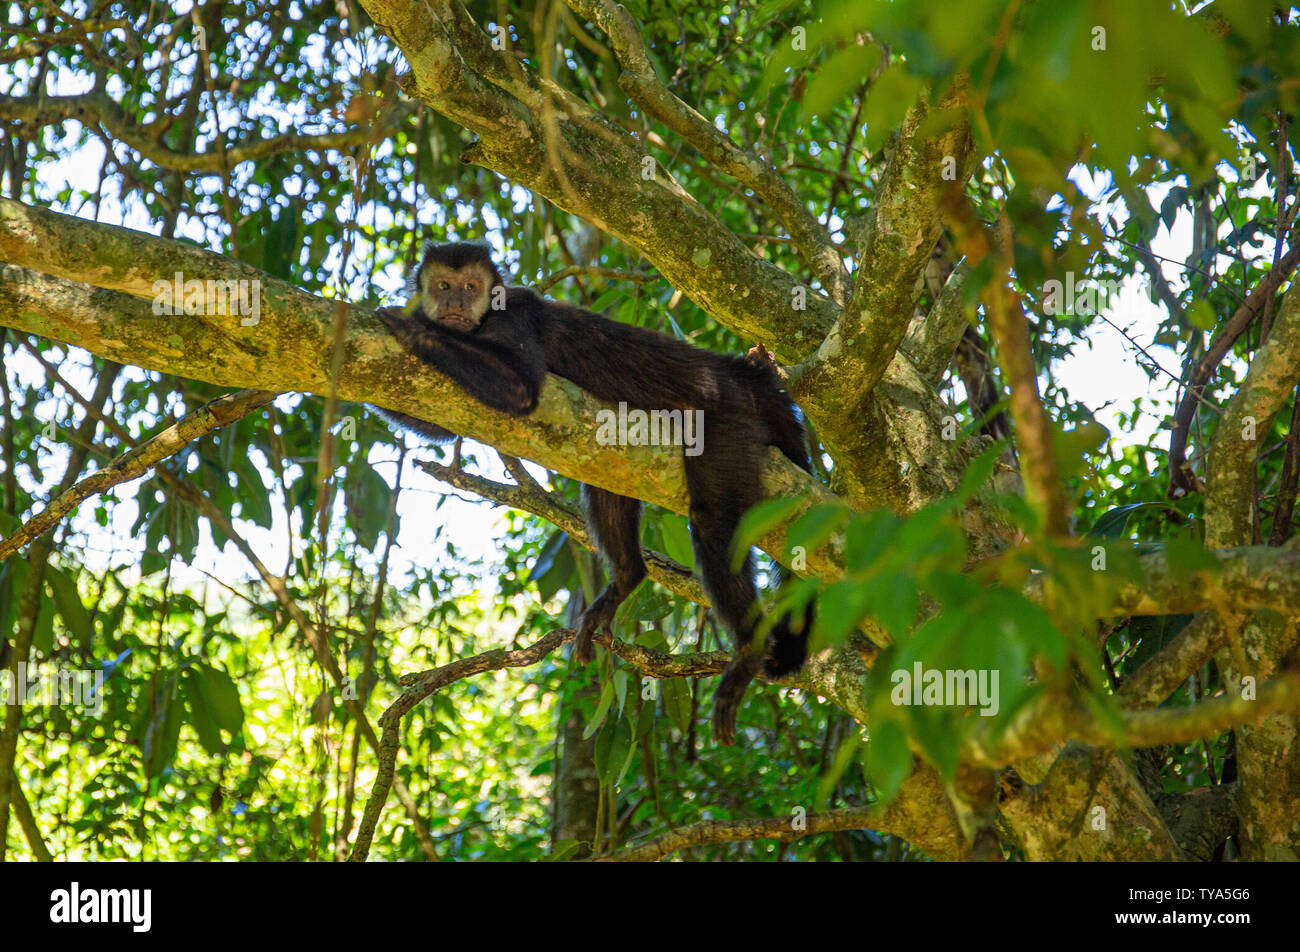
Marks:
<point>595,171</point>
<point>99,109</point>
<point>642,84</point>
<point>1248,417</point>
<point>1180,476</point>
<point>136,462</point>
<point>670,574</point>
<point>291,344</point>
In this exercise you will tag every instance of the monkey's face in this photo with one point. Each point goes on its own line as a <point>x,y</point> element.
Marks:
<point>455,297</point>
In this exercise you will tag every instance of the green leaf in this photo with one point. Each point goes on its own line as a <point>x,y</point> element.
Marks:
<point>645,721</point>
<point>1201,315</point>
<point>221,697</point>
<point>68,601</point>
<point>839,609</point>
<point>893,599</point>
<point>887,104</point>
<point>937,731</point>
<point>1188,557</point>
<point>201,717</point>
<point>562,851</point>
<point>1152,632</point>
<point>677,539</point>
<point>602,709</point>
<point>1111,524</point>
<point>554,566</point>
<point>839,75</point>
<point>868,536</point>
<point>620,688</point>
<point>254,498</point>
<point>368,505</point>
<point>677,702</point>
<point>764,517</point>
<point>888,758</point>
<point>43,634</point>
<point>980,470</point>
<point>613,749</point>
<point>817,525</point>
<point>546,558</point>
<point>162,731</point>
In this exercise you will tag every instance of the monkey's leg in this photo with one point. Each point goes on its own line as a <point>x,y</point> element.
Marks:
<point>615,521</point>
<point>723,483</point>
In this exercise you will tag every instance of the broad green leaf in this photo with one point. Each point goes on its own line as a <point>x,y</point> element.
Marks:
<point>602,709</point>
<point>201,718</point>
<point>677,702</point>
<point>221,697</point>
<point>677,539</point>
<point>68,601</point>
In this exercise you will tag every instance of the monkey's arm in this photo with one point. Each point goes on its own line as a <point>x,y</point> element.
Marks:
<point>502,377</point>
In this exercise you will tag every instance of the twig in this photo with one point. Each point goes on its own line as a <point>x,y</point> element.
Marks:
<point>137,461</point>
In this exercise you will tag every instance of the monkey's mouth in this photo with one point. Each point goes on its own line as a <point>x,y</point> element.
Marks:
<point>458,322</point>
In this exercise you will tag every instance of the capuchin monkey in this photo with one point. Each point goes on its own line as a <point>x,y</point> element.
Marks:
<point>499,343</point>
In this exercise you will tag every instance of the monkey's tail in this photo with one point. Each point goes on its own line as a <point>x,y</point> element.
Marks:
<point>787,640</point>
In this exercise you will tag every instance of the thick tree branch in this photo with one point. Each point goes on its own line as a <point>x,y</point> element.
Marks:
<point>897,818</point>
<point>292,344</point>
<point>1247,578</point>
<point>1043,725</point>
<point>1267,756</point>
<point>1248,417</point>
<point>1169,668</point>
<point>926,170</point>
<point>931,341</point>
<point>642,84</point>
<point>1054,819</point>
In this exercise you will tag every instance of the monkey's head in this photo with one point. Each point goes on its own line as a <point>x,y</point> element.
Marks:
<point>453,285</point>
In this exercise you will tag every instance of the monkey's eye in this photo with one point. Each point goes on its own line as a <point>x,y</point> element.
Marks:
<point>469,285</point>
<point>443,286</point>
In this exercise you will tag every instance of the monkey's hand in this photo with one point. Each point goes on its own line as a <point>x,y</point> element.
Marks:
<point>731,691</point>
<point>402,326</point>
<point>596,620</point>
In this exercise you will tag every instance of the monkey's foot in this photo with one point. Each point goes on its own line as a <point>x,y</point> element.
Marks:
<point>759,355</point>
<point>731,691</point>
<point>595,621</point>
